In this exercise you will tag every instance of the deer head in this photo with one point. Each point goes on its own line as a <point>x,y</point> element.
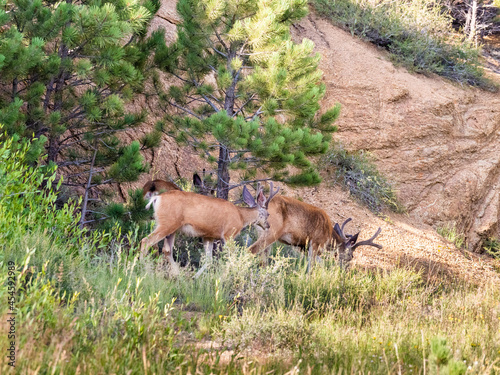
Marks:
<point>346,244</point>
<point>262,203</point>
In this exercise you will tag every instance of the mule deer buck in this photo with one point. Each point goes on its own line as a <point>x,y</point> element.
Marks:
<point>296,223</point>
<point>200,216</point>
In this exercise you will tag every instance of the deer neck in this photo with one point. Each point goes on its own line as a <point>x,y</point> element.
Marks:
<point>249,215</point>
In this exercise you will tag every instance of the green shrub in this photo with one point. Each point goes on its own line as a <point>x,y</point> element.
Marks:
<point>273,329</point>
<point>356,172</point>
<point>441,358</point>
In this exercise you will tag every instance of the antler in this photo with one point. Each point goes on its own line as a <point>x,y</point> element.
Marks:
<point>369,242</point>
<point>340,230</point>
<point>272,193</point>
<point>260,190</point>
<point>343,225</point>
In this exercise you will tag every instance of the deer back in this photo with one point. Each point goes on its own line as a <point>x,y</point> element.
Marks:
<point>299,223</point>
<point>198,215</point>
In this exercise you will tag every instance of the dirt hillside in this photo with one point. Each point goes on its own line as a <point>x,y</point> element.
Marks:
<point>438,142</point>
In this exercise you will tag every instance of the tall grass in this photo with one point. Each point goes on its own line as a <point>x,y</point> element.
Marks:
<point>85,304</point>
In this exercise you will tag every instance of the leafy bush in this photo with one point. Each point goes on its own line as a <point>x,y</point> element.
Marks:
<point>70,294</point>
<point>357,173</point>
<point>418,34</point>
<point>441,358</point>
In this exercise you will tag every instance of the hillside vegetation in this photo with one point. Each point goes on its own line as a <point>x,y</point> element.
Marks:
<point>85,304</point>
<point>418,34</point>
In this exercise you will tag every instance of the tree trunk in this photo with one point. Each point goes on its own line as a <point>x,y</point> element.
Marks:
<point>58,91</point>
<point>53,150</point>
<point>224,157</point>
<point>473,22</point>
<point>87,189</point>
<point>223,173</point>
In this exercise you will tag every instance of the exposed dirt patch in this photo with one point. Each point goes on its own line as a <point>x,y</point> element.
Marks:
<point>439,142</point>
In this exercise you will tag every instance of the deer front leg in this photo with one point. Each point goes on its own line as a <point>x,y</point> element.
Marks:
<point>311,257</point>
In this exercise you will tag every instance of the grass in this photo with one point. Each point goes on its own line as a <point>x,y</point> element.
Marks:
<point>418,34</point>
<point>85,304</point>
<point>450,232</point>
<point>357,172</point>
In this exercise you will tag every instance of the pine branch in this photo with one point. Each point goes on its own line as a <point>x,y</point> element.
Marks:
<point>234,186</point>
<point>184,110</point>
<point>221,41</point>
<point>244,104</point>
<point>208,101</point>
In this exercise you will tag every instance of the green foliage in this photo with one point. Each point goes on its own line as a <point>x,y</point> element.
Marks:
<point>67,70</point>
<point>441,358</point>
<point>492,247</point>
<point>452,234</point>
<point>245,90</point>
<point>28,196</point>
<point>358,173</point>
<point>418,34</point>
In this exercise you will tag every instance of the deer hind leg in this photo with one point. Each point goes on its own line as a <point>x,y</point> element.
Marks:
<point>158,234</point>
<point>263,243</point>
<point>264,257</point>
<point>208,244</point>
<point>168,253</point>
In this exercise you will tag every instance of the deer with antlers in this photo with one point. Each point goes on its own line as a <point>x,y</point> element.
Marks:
<point>296,223</point>
<point>201,216</point>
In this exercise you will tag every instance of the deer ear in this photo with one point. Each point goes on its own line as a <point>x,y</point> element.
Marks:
<point>197,180</point>
<point>261,199</point>
<point>336,228</point>
<point>248,198</point>
<point>352,239</point>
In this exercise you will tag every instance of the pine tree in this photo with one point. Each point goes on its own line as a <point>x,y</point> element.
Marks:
<point>247,97</point>
<point>66,71</point>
